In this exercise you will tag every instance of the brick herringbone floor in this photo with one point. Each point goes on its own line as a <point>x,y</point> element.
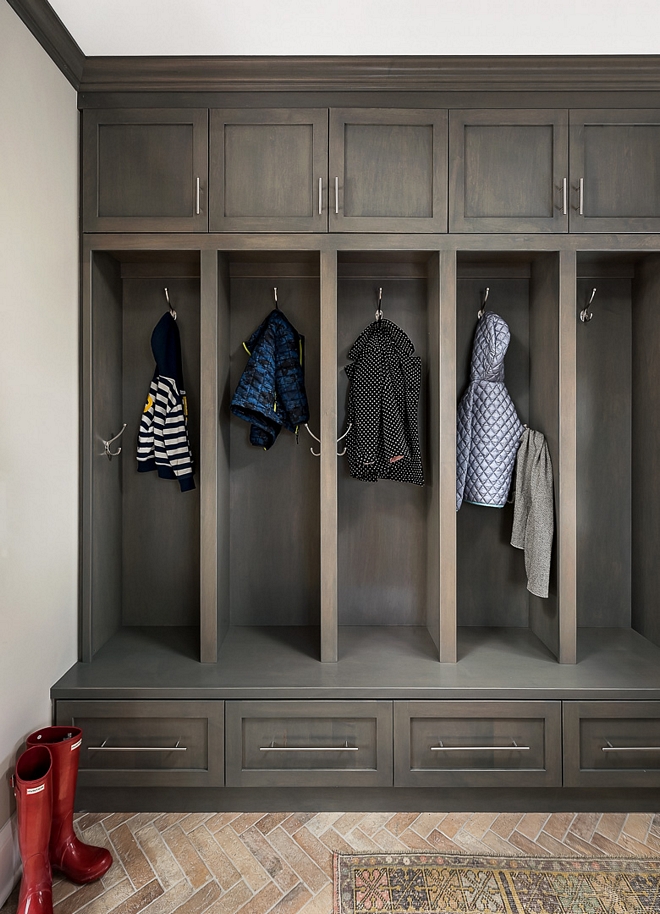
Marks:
<point>254,863</point>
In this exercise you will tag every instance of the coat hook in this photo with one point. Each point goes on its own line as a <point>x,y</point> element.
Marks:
<point>275,297</point>
<point>586,314</point>
<point>480,312</point>
<point>341,438</point>
<point>106,444</point>
<point>379,312</point>
<point>169,303</point>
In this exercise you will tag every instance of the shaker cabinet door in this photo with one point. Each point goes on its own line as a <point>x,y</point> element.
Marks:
<point>615,178</point>
<point>509,170</point>
<point>268,170</point>
<point>145,170</point>
<point>388,170</point>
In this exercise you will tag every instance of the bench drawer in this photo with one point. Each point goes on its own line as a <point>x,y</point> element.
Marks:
<point>309,743</point>
<point>612,743</point>
<point>477,743</point>
<point>148,743</point>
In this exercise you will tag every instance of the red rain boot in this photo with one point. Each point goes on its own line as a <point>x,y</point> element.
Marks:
<point>34,801</point>
<point>79,862</point>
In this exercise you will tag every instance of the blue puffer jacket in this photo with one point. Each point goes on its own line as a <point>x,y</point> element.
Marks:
<point>271,391</point>
<point>488,427</point>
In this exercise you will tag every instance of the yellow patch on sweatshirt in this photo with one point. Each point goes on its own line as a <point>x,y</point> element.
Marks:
<point>149,404</point>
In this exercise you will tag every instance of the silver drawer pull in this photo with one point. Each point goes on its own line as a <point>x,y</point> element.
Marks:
<point>611,748</point>
<point>273,748</point>
<point>104,748</point>
<point>197,196</point>
<point>514,748</point>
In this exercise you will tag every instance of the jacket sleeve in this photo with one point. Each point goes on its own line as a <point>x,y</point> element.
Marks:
<point>463,442</point>
<point>171,445</point>
<point>145,445</point>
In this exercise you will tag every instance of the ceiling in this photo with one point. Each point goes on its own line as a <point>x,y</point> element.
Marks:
<point>365,27</point>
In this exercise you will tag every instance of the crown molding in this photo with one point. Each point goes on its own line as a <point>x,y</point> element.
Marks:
<point>634,73</point>
<point>53,36</point>
<point>416,74</point>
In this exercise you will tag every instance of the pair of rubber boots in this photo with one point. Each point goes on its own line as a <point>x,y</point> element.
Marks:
<point>45,789</point>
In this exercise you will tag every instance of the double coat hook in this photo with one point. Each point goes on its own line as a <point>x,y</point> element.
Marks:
<point>169,303</point>
<point>341,438</point>
<point>480,312</point>
<point>106,444</point>
<point>585,313</point>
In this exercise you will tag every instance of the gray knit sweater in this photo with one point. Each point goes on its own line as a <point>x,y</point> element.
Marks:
<point>533,513</point>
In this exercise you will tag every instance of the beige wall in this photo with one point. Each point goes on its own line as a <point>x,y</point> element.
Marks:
<point>38,385</point>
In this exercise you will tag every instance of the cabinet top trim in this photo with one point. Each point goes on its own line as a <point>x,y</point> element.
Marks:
<point>396,73</point>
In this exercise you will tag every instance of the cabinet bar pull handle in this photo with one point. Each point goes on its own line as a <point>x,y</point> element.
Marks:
<point>611,748</point>
<point>581,197</point>
<point>564,197</point>
<point>345,748</point>
<point>104,748</point>
<point>515,748</point>
<point>320,196</point>
<point>197,196</point>
<point>337,196</point>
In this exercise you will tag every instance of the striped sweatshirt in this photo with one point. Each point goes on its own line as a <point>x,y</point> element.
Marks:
<point>163,435</point>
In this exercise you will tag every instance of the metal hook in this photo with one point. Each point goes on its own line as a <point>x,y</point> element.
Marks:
<point>106,444</point>
<point>379,312</point>
<point>480,312</point>
<point>341,438</point>
<point>275,296</point>
<point>169,303</point>
<point>586,314</point>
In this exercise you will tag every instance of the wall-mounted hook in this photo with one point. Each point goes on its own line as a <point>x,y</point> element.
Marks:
<point>169,303</point>
<point>106,444</point>
<point>379,310</point>
<point>275,297</point>
<point>315,439</point>
<point>480,312</point>
<point>341,438</point>
<point>585,313</point>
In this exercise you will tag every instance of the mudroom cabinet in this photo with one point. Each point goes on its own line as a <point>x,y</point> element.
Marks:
<point>310,638</point>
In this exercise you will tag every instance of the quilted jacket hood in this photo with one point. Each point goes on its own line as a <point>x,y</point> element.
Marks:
<point>488,428</point>
<point>491,341</point>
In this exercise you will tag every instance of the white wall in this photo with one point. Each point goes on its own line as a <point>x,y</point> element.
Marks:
<point>38,386</point>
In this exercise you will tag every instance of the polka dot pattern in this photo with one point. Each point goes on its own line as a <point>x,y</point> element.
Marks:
<point>383,404</point>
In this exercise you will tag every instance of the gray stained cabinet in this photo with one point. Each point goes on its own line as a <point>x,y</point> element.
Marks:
<point>388,170</point>
<point>509,170</point>
<point>365,637</point>
<point>477,743</point>
<point>612,743</point>
<point>309,743</point>
<point>145,170</point>
<point>268,170</point>
<point>615,179</point>
<point>148,743</point>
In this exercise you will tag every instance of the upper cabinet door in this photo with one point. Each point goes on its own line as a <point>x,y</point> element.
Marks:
<point>509,171</point>
<point>269,169</point>
<point>615,173</point>
<point>388,170</point>
<point>145,170</point>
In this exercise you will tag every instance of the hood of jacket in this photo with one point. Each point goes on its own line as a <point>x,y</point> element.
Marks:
<point>491,341</point>
<point>166,348</point>
<point>379,333</point>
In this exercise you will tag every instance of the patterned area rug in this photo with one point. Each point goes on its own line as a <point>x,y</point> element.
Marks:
<point>445,884</point>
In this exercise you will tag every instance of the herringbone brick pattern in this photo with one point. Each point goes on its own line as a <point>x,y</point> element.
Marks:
<point>254,863</point>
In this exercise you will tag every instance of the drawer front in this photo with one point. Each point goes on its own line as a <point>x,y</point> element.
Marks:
<point>612,743</point>
<point>309,743</point>
<point>477,743</point>
<point>148,743</point>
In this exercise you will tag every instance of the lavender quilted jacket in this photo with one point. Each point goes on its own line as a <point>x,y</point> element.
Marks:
<point>488,427</point>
